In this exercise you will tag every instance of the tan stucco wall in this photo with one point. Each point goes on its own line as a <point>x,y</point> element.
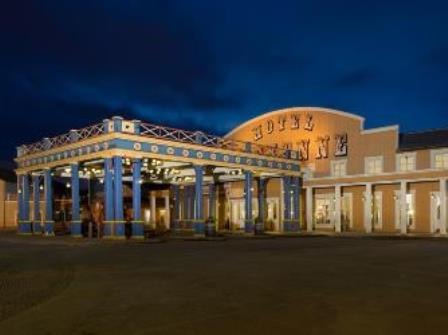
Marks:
<point>388,206</point>
<point>361,144</point>
<point>423,205</point>
<point>326,123</point>
<point>357,206</point>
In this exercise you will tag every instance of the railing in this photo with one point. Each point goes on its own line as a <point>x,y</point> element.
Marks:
<point>64,139</point>
<point>160,132</point>
<point>185,136</point>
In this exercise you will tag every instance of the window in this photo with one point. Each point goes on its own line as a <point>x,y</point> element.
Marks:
<point>324,209</point>
<point>406,161</point>
<point>339,168</point>
<point>440,159</point>
<point>377,209</point>
<point>410,208</point>
<point>374,165</point>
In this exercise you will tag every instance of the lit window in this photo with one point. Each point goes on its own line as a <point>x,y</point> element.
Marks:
<point>406,162</point>
<point>339,168</point>
<point>410,208</point>
<point>374,165</point>
<point>377,209</point>
<point>441,160</point>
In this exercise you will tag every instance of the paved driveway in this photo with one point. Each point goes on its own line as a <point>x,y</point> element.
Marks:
<point>308,285</point>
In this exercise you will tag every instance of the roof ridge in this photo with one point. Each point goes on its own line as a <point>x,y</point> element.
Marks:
<point>425,131</point>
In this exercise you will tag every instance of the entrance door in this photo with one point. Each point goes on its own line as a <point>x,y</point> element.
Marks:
<point>346,212</point>
<point>272,220</point>
<point>237,214</point>
<point>435,211</point>
<point>324,211</point>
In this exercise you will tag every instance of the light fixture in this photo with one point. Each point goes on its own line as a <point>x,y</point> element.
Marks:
<point>68,185</point>
<point>41,187</point>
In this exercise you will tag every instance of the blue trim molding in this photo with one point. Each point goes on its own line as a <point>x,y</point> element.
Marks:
<point>176,150</point>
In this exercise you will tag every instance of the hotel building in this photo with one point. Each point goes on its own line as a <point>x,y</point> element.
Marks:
<point>294,171</point>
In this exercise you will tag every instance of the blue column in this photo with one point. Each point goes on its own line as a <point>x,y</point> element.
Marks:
<point>184,206</point>
<point>199,223</point>
<point>108,199</point>
<point>75,227</point>
<point>261,189</point>
<point>297,190</point>
<point>137,223</point>
<point>37,228</point>
<point>249,221</point>
<point>19,202</point>
<point>118,198</point>
<point>212,200</point>
<point>25,223</point>
<point>287,203</point>
<point>191,203</point>
<point>186,202</point>
<point>177,204</point>
<point>49,223</point>
<point>211,221</point>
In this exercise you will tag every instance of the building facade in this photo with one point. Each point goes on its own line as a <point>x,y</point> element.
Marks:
<point>356,179</point>
<point>8,199</point>
<point>295,170</point>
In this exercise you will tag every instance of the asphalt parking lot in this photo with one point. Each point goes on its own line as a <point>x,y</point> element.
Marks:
<point>302,285</point>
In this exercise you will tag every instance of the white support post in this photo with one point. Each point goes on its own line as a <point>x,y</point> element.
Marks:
<point>153,209</point>
<point>443,206</point>
<point>167,211</point>
<point>403,207</point>
<point>337,208</point>
<point>309,209</point>
<point>368,208</point>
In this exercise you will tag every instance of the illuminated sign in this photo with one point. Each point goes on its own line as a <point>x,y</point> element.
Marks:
<point>323,144</point>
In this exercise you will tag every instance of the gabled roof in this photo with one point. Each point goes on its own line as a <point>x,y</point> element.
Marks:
<point>435,138</point>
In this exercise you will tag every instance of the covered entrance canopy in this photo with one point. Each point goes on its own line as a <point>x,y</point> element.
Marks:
<point>118,150</point>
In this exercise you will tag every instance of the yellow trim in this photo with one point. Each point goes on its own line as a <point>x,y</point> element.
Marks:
<point>71,146</point>
<point>113,237</point>
<point>137,138</point>
<point>63,161</point>
<point>25,234</point>
<point>138,237</point>
<point>133,154</point>
<point>295,109</point>
<point>144,139</point>
<point>140,154</point>
<point>77,236</point>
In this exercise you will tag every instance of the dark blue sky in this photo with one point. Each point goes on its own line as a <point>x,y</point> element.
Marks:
<point>212,65</point>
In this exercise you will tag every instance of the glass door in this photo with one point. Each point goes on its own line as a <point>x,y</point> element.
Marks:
<point>435,211</point>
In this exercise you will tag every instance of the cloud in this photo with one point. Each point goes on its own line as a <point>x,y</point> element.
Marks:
<point>355,78</point>
<point>160,58</point>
